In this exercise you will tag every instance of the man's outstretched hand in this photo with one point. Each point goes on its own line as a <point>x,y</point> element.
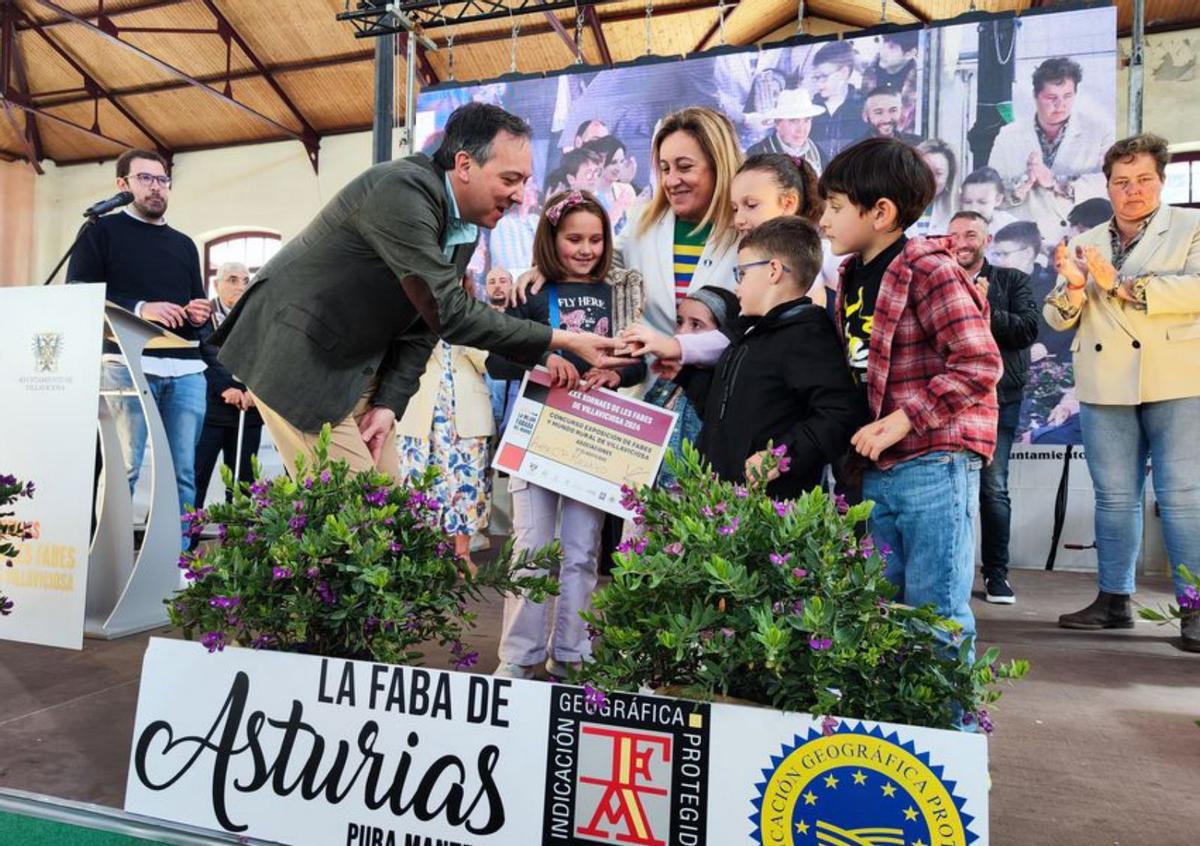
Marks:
<point>596,350</point>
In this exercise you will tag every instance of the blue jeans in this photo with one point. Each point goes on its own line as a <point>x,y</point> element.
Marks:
<point>925,512</point>
<point>181,404</point>
<point>1118,439</point>
<point>995,507</point>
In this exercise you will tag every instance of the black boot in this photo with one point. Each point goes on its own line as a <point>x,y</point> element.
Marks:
<point>1109,611</point>
<point>1189,626</point>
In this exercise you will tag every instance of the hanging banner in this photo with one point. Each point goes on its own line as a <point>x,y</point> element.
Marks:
<point>585,445</point>
<point>50,382</point>
<point>970,95</point>
<point>306,750</point>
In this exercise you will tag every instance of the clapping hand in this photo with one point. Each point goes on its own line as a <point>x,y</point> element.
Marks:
<point>1070,267</point>
<point>1101,269</point>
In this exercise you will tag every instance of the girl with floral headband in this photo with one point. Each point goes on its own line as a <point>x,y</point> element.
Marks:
<point>573,248</point>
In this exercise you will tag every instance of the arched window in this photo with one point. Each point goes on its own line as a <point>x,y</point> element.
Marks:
<point>251,248</point>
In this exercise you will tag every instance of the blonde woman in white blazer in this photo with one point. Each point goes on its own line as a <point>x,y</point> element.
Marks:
<point>696,156</point>
<point>448,424</point>
<point>1131,290</point>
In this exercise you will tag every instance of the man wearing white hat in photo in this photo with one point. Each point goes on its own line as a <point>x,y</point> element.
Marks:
<point>793,114</point>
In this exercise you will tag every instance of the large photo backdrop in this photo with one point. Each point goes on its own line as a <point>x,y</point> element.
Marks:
<point>963,93</point>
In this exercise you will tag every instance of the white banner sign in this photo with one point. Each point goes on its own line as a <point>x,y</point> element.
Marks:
<point>50,381</point>
<point>305,750</point>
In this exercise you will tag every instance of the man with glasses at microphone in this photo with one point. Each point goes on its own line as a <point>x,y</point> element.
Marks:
<point>154,271</point>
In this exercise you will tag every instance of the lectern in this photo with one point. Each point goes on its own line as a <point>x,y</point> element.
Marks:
<point>126,587</point>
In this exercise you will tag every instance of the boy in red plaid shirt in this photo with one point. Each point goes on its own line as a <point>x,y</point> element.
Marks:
<point>920,347</point>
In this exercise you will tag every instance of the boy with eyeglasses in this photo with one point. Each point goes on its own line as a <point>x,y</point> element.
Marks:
<point>783,382</point>
<point>152,270</point>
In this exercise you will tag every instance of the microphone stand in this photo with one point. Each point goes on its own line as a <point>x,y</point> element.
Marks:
<point>91,218</point>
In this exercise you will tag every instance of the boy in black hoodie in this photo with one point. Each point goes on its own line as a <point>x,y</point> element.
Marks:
<point>784,380</point>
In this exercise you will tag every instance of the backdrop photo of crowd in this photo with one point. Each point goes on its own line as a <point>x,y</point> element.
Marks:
<point>1011,120</point>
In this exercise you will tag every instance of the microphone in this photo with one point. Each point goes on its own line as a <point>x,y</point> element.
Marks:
<point>104,206</point>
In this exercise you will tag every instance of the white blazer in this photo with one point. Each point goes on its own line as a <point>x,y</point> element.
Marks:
<point>1125,356</point>
<point>654,255</point>
<point>1079,161</point>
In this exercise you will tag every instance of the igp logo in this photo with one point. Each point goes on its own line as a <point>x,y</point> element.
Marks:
<point>633,771</point>
<point>857,788</point>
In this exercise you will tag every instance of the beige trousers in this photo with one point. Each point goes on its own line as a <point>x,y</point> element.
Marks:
<point>346,442</point>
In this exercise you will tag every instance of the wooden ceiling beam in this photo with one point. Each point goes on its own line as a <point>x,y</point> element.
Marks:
<point>47,99</point>
<point>171,70</point>
<point>593,21</point>
<point>912,9</point>
<point>146,6</point>
<point>95,89</point>
<point>15,78</point>
<point>50,116</point>
<point>310,138</point>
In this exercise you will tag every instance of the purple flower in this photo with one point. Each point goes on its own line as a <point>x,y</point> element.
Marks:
<point>464,659</point>
<point>395,548</point>
<point>222,531</point>
<point>720,507</point>
<point>785,464</point>
<point>740,492</point>
<point>7,480</point>
<point>1189,600</point>
<point>593,633</point>
<point>675,548</point>
<point>326,593</point>
<point>799,572</point>
<point>782,508</point>
<point>197,574</point>
<point>312,572</point>
<point>798,607</point>
<point>828,726</point>
<point>298,505</point>
<point>842,505</point>
<point>226,602</point>
<point>308,483</point>
<point>28,492</point>
<point>326,477</point>
<point>780,558</point>
<point>594,696</point>
<point>819,644</point>
<point>6,606</point>
<point>213,641</point>
<point>260,487</point>
<point>707,511</point>
<point>297,524</point>
<point>377,497</point>
<point>251,536</point>
<point>727,634</point>
<point>629,498</point>
<point>777,608</point>
<point>729,529</point>
<point>279,574</point>
<point>263,641</point>
<point>371,625</point>
<point>981,717</point>
<point>637,546</point>
<point>779,451</point>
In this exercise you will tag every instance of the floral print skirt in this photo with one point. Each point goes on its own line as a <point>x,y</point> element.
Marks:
<point>465,485</point>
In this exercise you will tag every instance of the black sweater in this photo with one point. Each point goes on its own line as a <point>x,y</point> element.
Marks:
<point>784,380</point>
<point>141,262</point>
<point>582,307</point>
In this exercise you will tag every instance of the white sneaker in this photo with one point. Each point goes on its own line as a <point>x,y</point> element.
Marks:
<point>513,671</point>
<point>562,669</point>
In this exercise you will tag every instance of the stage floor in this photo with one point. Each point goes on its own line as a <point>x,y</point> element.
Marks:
<point>1098,745</point>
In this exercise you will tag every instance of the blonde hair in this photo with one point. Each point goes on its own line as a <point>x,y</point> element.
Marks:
<point>717,138</point>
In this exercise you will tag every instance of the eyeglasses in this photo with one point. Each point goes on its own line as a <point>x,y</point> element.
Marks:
<point>148,179</point>
<point>739,272</point>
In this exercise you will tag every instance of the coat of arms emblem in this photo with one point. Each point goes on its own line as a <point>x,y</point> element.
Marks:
<point>47,346</point>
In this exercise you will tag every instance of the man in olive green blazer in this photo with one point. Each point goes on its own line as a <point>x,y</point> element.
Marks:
<point>338,327</point>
